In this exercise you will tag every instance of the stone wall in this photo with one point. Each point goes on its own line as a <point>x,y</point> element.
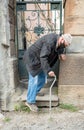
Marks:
<point>8,58</point>
<point>71,72</point>
<point>74,17</point>
<point>71,80</point>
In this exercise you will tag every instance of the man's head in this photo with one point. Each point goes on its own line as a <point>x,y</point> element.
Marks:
<point>65,39</point>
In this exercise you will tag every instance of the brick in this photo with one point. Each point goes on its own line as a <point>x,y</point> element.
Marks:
<point>12,48</point>
<point>11,16</point>
<point>12,32</point>
<point>11,3</point>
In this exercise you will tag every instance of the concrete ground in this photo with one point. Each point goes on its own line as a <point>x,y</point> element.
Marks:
<point>57,119</point>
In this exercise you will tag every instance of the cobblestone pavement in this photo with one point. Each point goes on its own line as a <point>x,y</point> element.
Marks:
<point>56,120</point>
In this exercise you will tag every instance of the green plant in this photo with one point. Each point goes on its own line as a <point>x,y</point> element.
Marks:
<point>21,107</point>
<point>17,107</point>
<point>7,119</point>
<point>68,107</point>
<point>24,108</point>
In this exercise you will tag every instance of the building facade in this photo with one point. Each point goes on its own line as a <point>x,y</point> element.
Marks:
<point>71,74</point>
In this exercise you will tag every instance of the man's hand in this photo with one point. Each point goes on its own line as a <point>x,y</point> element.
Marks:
<point>62,57</point>
<point>51,74</point>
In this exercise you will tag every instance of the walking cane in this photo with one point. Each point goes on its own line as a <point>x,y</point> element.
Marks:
<point>51,91</point>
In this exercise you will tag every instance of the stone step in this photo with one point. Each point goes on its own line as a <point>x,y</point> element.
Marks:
<point>42,100</point>
<point>45,100</point>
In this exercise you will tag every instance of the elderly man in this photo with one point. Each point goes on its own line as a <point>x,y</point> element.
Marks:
<point>39,59</point>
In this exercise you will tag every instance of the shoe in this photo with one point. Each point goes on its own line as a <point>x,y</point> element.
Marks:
<point>40,94</point>
<point>32,107</point>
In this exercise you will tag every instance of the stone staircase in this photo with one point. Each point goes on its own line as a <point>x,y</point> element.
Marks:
<point>42,101</point>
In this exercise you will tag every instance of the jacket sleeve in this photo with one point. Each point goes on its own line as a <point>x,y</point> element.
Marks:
<point>45,51</point>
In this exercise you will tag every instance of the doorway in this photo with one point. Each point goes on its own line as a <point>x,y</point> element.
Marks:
<point>35,19</point>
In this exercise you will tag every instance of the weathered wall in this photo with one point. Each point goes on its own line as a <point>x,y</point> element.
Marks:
<point>8,60</point>
<point>74,17</point>
<point>71,83</point>
<point>71,74</point>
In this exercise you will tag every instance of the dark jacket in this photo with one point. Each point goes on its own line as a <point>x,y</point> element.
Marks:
<point>42,55</point>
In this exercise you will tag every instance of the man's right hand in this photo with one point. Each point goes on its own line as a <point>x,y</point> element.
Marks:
<point>62,57</point>
<point>51,74</point>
